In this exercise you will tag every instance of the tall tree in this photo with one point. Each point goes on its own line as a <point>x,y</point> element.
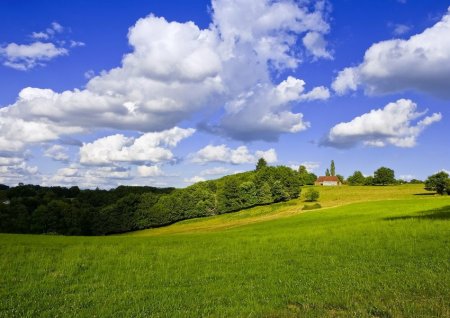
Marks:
<point>332,168</point>
<point>384,176</point>
<point>327,172</point>
<point>262,163</point>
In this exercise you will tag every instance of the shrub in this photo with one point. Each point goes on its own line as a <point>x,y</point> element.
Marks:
<point>438,182</point>
<point>311,195</point>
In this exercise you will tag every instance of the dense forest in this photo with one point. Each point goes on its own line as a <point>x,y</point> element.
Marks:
<point>71,211</point>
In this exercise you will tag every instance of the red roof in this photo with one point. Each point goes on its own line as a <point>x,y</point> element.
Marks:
<point>327,178</point>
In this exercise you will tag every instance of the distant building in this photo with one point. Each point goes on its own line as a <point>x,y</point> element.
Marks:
<point>328,181</point>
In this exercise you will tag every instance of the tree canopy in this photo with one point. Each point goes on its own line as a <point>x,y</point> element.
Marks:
<point>71,211</point>
<point>357,178</point>
<point>438,182</point>
<point>384,176</point>
<point>262,163</point>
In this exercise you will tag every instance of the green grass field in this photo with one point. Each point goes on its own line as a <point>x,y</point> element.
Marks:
<point>370,252</point>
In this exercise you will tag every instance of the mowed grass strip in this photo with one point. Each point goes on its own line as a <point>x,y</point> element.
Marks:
<point>371,259</point>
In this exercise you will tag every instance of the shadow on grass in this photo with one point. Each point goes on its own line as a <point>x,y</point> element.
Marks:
<point>435,214</point>
<point>425,193</point>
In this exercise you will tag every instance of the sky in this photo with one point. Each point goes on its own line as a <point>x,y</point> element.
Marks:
<point>167,93</point>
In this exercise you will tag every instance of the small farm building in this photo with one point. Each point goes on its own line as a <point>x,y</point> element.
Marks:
<point>328,181</point>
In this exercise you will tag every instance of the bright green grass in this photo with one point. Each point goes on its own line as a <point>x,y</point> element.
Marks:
<point>329,197</point>
<point>371,259</point>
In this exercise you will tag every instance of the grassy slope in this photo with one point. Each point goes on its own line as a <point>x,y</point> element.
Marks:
<point>329,197</point>
<point>368,259</point>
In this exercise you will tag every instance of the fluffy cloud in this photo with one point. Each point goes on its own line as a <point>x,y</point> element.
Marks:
<point>316,44</point>
<point>263,113</point>
<point>150,147</point>
<point>23,57</point>
<point>140,95</point>
<point>240,155</point>
<point>421,62</point>
<point>150,171</point>
<point>176,70</point>
<point>15,169</point>
<point>217,171</point>
<point>85,177</point>
<point>26,56</point>
<point>57,153</point>
<point>396,124</point>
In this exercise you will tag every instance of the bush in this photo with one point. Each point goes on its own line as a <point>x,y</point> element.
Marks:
<point>312,206</point>
<point>311,195</point>
<point>439,182</point>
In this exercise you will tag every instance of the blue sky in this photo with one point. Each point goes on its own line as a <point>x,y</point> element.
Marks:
<point>166,93</point>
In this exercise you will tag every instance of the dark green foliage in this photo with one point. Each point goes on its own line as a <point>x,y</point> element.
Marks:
<point>264,194</point>
<point>356,178</point>
<point>369,181</point>
<point>305,177</point>
<point>384,176</point>
<point>279,192</point>
<point>341,178</point>
<point>415,181</point>
<point>229,198</point>
<point>71,211</point>
<point>262,163</point>
<point>327,172</point>
<point>35,209</point>
<point>438,182</point>
<point>311,206</point>
<point>332,168</point>
<point>311,195</point>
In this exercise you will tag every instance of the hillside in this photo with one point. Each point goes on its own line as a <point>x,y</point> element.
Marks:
<point>382,258</point>
<point>329,197</point>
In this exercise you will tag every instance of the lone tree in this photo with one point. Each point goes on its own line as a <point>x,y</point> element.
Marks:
<point>384,176</point>
<point>262,163</point>
<point>438,182</point>
<point>332,168</point>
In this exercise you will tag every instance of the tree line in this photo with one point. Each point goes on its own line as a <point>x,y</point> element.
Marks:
<point>71,211</point>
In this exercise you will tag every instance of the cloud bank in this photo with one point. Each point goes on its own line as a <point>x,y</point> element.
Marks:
<point>419,63</point>
<point>396,124</point>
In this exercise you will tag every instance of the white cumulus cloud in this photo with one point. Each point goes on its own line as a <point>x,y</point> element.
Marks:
<point>216,171</point>
<point>240,155</point>
<point>150,171</point>
<point>316,44</point>
<point>26,56</point>
<point>57,153</point>
<point>178,69</point>
<point>150,147</point>
<point>420,63</point>
<point>396,124</point>
<point>45,47</point>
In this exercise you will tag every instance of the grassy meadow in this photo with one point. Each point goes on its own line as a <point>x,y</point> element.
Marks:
<point>369,252</point>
